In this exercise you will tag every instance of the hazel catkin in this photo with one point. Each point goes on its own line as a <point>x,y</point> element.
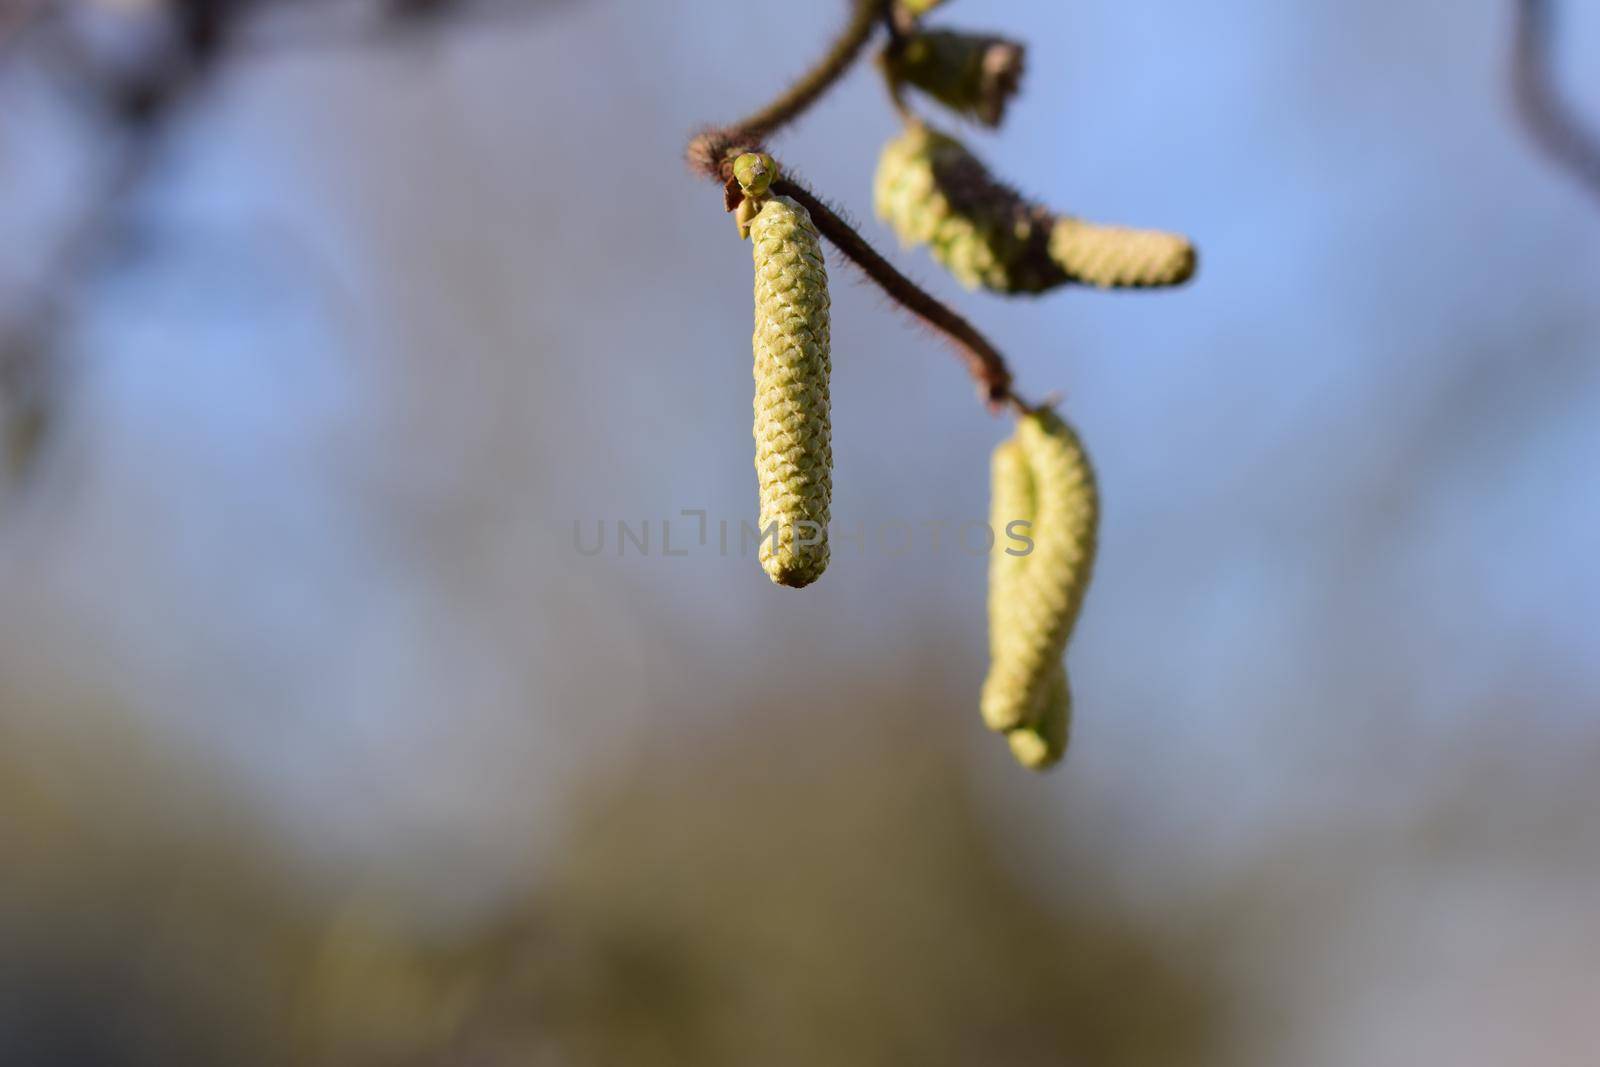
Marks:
<point>793,435</point>
<point>1041,745</point>
<point>1041,476</point>
<point>974,75</point>
<point>932,191</point>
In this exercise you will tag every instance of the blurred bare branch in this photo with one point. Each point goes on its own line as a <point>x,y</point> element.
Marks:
<point>138,61</point>
<point>295,25</point>
<point>1552,122</point>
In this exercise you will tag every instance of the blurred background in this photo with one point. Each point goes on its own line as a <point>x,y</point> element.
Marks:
<point>323,328</point>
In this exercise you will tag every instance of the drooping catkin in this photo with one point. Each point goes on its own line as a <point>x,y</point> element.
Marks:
<point>793,434</point>
<point>932,191</point>
<point>1035,600</point>
<point>1041,746</point>
<point>974,75</point>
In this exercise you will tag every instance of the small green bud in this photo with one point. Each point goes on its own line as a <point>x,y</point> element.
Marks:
<point>745,214</point>
<point>755,172</point>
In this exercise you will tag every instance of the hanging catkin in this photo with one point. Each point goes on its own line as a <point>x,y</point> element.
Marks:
<point>1116,257</point>
<point>1012,514</point>
<point>1042,742</point>
<point>1042,476</point>
<point>1041,746</point>
<point>932,191</point>
<point>794,452</point>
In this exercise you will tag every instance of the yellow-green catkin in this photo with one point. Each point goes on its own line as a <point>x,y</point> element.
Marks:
<point>1042,476</point>
<point>1041,746</point>
<point>932,191</point>
<point>974,75</point>
<point>793,433</point>
<point>1013,514</point>
<point>1116,257</point>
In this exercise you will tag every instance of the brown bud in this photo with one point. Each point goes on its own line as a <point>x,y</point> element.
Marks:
<point>975,75</point>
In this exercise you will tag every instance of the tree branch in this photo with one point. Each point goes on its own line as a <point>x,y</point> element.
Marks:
<point>864,17</point>
<point>712,151</point>
<point>982,359</point>
<point>1552,123</point>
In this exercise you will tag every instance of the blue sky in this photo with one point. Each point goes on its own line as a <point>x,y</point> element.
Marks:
<point>388,323</point>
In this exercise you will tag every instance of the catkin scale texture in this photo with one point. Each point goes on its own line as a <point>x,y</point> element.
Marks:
<point>1011,500</point>
<point>1035,599</point>
<point>932,191</point>
<point>1042,742</point>
<point>1117,257</point>
<point>1041,745</point>
<point>793,432</point>
<point>974,75</point>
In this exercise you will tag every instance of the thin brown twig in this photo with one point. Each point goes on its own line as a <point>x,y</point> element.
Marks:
<point>798,98</point>
<point>1554,125</point>
<point>901,20</point>
<point>712,154</point>
<point>983,361</point>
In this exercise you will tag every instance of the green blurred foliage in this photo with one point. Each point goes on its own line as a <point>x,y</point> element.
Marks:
<point>732,908</point>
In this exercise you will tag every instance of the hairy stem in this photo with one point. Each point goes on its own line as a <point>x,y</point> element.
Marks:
<point>983,361</point>
<point>712,154</point>
<point>864,17</point>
